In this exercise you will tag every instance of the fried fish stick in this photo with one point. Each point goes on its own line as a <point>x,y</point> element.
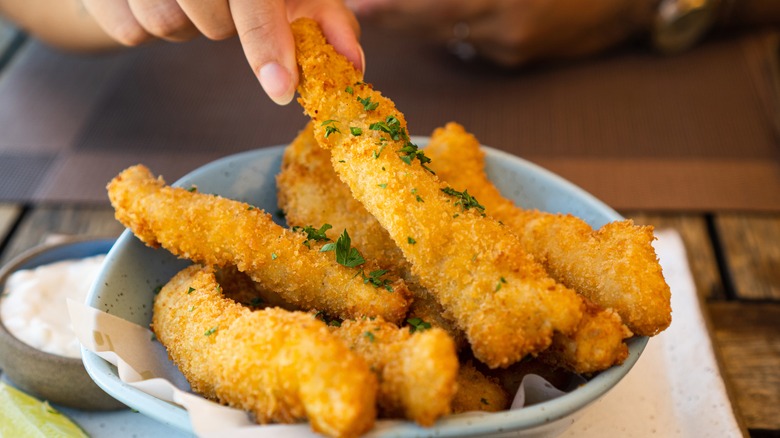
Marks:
<point>616,266</point>
<point>497,294</point>
<point>282,366</point>
<point>216,231</point>
<point>310,192</point>
<point>417,371</point>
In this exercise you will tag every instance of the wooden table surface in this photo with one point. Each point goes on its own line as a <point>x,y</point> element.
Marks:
<point>734,256</point>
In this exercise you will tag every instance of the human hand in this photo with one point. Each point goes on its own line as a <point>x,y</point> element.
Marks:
<point>263,27</point>
<point>516,32</point>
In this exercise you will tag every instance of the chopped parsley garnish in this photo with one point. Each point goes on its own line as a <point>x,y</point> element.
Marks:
<point>274,256</point>
<point>378,152</point>
<point>158,289</point>
<point>484,401</point>
<point>256,302</point>
<point>391,126</point>
<point>314,234</point>
<point>411,240</point>
<point>210,331</point>
<point>193,189</point>
<point>349,90</point>
<point>417,325</point>
<point>410,152</point>
<point>367,104</point>
<point>384,185</point>
<point>192,308</point>
<point>322,316</point>
<point>374,277</point>
<point>416,196</point>
<point>190,290</point>
<point>330,128</point>
<point>354,130</point>
<point>501,281</point>
<point>250,208</point>
<point>465,200</point>
<point>346,255</point>
<point>370,336</point>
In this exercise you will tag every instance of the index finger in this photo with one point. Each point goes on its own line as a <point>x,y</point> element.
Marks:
<point>268,44</point>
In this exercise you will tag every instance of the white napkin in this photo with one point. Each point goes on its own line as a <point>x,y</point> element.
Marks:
<point>675,390</point>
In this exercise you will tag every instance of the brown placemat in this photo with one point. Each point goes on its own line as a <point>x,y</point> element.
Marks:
<point>694,132</point>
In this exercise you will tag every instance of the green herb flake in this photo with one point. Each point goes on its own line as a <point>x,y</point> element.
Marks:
<point>465,200</point>
<point>346,255</point>
<point>192,308</point>
<point>417,325</point>
<point>317,235</point>
<point>354,130</point>
<point>193,189</point>
<point>190,290</point>
<point>483,401</point>
<point>376,280</point>
<point>158,289</point>
<point>274,256</point>
<point>411,152</point>
<point>384,185</point>
<point>256,302</point>
<point>250,208</point>
<point>367,104</point>
<point>210,331</point>
<point>331,130</point>
<point>370,336</point>
<point>501,281</point>
<point>411,240</point>
<point>349,90</point>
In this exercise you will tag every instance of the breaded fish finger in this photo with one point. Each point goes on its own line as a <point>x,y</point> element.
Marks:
<point>616,266</point>
<point>282,366</point>
<point>477,269</point>
<point>216,231</point>
<point>310,192</point>
<point>417,371</point>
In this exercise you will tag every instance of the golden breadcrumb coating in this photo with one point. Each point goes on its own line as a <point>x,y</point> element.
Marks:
<point>476,268</point>
<point>478,392</point>
<point>282,366</point>
<point>416,371</point>
<point>216,231</point>
<point>616,266</point>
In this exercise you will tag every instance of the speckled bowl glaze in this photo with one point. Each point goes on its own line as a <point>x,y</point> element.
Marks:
<point>125,288</point>
<point>58,379</point>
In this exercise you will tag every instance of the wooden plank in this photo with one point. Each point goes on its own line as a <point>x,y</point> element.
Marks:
<point>751,249</point>
<point>44,222</point>
<point>748,338</point>
<point>698,245</point>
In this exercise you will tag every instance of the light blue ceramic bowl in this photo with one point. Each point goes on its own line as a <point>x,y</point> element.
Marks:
<point>132,271</point>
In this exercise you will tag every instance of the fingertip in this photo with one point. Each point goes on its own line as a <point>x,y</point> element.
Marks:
<point>278,82</point>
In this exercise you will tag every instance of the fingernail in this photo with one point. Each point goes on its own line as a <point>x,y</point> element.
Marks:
<point>277,83</point>
<point>362,66</point>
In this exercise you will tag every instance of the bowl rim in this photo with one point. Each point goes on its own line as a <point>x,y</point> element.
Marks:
<point>527,418</point>
<point>18,263</point>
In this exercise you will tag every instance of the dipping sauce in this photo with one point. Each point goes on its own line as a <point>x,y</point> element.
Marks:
<point>34,307</point>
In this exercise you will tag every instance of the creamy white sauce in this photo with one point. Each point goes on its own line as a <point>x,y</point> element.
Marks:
<point>34,306</point>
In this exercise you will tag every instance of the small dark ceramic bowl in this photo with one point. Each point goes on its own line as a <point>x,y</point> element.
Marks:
<point>58,379</point>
